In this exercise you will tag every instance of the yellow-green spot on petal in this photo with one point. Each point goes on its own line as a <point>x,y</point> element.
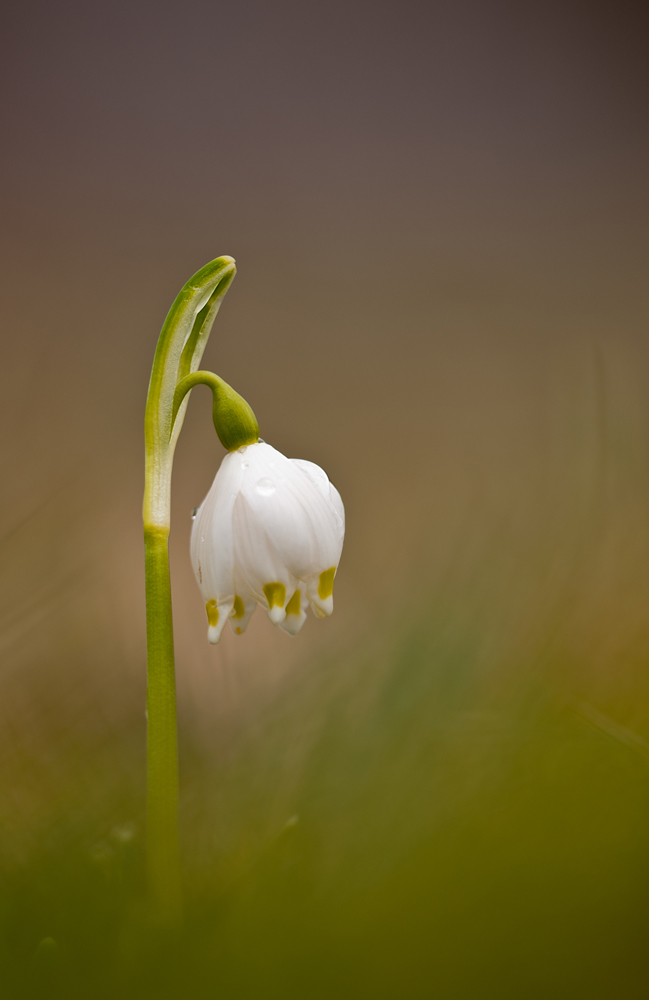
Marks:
<point>239,610</point>
<point>294,605</point>
<point>326,584</point>
<point>275,594</point>
<point>212,613</point>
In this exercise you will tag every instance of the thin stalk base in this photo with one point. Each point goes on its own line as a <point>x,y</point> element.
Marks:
<point>163,857</point>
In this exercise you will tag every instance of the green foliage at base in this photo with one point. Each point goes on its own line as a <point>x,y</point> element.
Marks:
<point>433,818</point>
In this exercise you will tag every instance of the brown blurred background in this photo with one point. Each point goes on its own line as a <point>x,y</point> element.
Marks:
<point>439,215</point>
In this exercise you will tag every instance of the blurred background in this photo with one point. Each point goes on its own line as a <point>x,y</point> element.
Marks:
<point>439,214</point>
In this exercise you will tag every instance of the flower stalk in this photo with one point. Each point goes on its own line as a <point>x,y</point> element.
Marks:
<point>270,531</point>
<point>178,355</point>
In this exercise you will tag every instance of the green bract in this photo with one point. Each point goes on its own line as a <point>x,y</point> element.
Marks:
<point>183,339</point>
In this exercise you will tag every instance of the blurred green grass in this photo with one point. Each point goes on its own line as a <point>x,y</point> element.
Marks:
<point>434,813</point>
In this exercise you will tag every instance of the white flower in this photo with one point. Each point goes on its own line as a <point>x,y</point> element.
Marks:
<point>270,530</point>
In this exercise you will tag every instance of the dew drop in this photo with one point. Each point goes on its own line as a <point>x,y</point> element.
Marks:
<point>245,465</point>
<point>194,513</point>
<point>265,487</point>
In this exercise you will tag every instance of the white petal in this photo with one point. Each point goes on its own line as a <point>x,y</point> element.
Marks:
<point>296,611</point>
<point>241,613</point>
<point>320,479</point>
<point>215,627</point>
<point>338,505</point>
<point>321,599</point>
<point>260,571</point>
<point>212,542</point>
<point>212,545</point>
<point>299,520</point>
<point>317,475</point>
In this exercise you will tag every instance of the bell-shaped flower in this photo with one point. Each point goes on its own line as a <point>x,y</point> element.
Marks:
<point>270,531</point>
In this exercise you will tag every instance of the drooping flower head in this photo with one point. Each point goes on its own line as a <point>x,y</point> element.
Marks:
<point>270,531</point>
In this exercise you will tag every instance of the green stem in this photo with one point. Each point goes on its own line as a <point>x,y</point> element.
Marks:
<point>180,348</point>
<point>162,736</point>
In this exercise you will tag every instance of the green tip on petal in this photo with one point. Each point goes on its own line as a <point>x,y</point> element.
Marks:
<point>294,606</point>
<point>326,583</point>
<point>275,594</point>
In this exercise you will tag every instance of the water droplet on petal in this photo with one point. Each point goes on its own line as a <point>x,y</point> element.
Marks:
<point>194,513</point>
<point>245,465</point>
<point>265,487</point>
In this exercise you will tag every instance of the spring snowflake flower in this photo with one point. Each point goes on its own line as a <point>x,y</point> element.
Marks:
<point>270,531</point>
